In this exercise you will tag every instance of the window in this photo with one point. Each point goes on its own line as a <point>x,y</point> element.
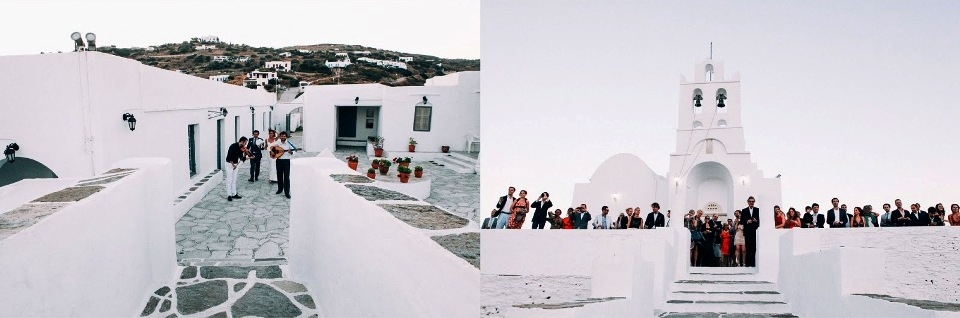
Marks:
<point>709,72</point>
<point>192,149</point>
<point>709,145</point>
<point>422,118</point>
<point>722,123</point>
<point>697,125</point>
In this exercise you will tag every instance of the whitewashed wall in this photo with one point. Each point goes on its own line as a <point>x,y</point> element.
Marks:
<point>629,177</point>
<point>358,260</point>
<point>98,257</point>
<point>456,112</point>
<point>85,94</point>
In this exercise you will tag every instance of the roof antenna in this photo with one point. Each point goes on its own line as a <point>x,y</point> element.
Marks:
<point>711,50</point>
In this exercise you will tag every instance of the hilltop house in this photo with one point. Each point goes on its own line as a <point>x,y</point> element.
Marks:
<point>220,78</point>
<point>243,59</point>
<point>361,52</point>
<point>205,47</point>
<point>220,58</point>
<point>341,54</point>
<point>406,59</point>
<point>278,65</point>
<point>285,54</point>
<point>304,51</point>
<point>259,78</point>
<point>444,112</point>
<point>208,39</point>
<point>341,63</point>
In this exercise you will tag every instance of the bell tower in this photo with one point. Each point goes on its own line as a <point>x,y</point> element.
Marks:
<point>711,169</point>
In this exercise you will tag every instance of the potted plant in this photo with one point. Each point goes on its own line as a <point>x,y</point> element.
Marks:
<point>371,173</point>
<point>353,161</point>
<point>375,164</point>
<point>377,146</point>
<point>402,161</point>
<point>418,172</point>
<point>384,167</point>
<point>404,174</point>
<point>413,145</point>
<point>445,149</point>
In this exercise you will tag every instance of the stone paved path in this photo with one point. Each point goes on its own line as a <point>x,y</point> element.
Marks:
<point>458,193</point>
<point>231,291</point>
<point>238,231</point>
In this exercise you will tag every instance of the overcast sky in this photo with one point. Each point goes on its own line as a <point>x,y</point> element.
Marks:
<point>854,99</point>
<point>444,28</point>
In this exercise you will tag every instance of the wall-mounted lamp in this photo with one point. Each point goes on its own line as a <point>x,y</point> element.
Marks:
<point>271,108</point>
<point>743,180</point>
<point>131,121</point>
<point>217,113</point>
<point>252,109</point>
<point>615,197</point>
<point>676,181</point>
<point>356,100</point>
<point>11,152</point>
<point>424,99</point>
<point>778,176</point>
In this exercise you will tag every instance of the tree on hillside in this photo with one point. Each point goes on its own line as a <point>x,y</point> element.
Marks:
<point>314,66</point>
<point>185,47</point>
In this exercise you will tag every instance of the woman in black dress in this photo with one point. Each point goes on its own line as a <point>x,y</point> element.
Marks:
<point>706,250</point>
<point>696,240</point>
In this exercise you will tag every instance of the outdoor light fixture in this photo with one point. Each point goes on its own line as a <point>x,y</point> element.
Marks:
<point>217,113</point>
<point>615,197</point>
<point>77,41</point>
<point>271,108</point>
<point>11,152</point>
<point>356,100</point>
<point>252,110</point>
<point>132,122</point>
<point>424,99</point>
<point>91,41</point>
<point>743,180</point>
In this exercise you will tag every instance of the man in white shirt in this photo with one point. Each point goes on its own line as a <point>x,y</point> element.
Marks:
<point>503,208</point>
<point>603,222</point>
<point>283,166</point>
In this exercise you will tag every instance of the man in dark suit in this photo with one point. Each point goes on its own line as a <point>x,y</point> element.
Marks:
<point>255,146</point>
<point>899,216</point>
<point>583,218</point>
<point>541,206</point>
<point>914,215</point>
<point>502,212</point>
<point>750,218</point>
<point>837,216</point>
<point>923,218</point>
<point>654,219</point>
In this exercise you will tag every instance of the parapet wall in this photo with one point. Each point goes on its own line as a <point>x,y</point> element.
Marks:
<point>360,261</point>
<point>97,257</point>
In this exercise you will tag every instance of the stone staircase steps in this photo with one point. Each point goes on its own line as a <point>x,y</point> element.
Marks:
<point>725,291</point>
<point>456,163</point>
<point>732,296</point>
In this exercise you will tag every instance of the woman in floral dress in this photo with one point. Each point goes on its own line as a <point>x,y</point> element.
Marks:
<point>518,211</point>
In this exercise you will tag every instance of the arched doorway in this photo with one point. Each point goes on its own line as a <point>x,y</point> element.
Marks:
<point>23,168</point>
<point>710,188</point>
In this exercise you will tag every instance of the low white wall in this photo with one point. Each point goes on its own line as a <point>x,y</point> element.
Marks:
<point>16,194</point>
<point>358,260</point>
<point>603,254</point>
<point>98,257</point>
<point>821,268</point>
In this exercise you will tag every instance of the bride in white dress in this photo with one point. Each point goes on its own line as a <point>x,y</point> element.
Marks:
<point>273,141</point>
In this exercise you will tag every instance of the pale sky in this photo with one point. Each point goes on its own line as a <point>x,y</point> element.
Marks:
<point>444,28</point>
<point>853,99</point>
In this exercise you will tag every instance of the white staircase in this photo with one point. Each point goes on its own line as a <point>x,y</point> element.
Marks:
<point>731,290</point>
<point>457,162</point>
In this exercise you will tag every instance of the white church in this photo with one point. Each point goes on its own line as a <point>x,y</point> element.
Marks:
<point>710,170</point>
<point>854,272</point>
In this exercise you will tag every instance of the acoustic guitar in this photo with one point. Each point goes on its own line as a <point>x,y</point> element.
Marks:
<point>276,151</point>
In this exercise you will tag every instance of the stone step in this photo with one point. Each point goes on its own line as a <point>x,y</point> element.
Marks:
<point>729,296</point>
<point>454,164</point>
<point>722,286</point>
<point>708,306</point>
<point>463,157</point>
<point>723,277</point>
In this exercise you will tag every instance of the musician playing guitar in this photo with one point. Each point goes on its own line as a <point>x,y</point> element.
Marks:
<point>282,152</point>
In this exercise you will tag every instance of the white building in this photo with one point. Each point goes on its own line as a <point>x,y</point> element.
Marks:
<point>205,47</point>
<point>243,59</point>
<point>361,52</point>
<point>304,51</point>
<point>220,78</point>
<point>341,54</point>
<point>172,111</point>
<point>711,169</point>
<point>278,65</point>
<point>392,64</point>
<point>209,39</point>
<point>220,58</point>
<point>285,54</point>
<point>442,113</point>
<point>150,48</point>
<point>367,59</point>
<point>259,77</point>
<point>343,63</point>
<point>406,59</point>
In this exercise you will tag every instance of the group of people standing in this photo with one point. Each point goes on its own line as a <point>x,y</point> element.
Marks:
<point>511,212</point>
<point>279,150</point>
<point>715,243</point>
<point>838,217</point>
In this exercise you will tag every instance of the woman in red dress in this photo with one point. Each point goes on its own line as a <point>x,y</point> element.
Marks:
<point>518,212</point>
<point>725,245</point>
<point>568,221</point>
<point>793,219</point>
<point>778,217</point>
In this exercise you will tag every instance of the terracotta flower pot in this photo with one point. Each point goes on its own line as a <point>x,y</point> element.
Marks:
<point>404,177</point>
<point>445,149</point>
<point>375,165</point>
<point>404,164</point>
<point>353,164</point>
<point>384,170</point>
<point>372,175</point>
<point>378,152</point>
<point>412,148</point>
<point>418,173</point>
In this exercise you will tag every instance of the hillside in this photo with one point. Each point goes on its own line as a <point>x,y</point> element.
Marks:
<point>307,63</point>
